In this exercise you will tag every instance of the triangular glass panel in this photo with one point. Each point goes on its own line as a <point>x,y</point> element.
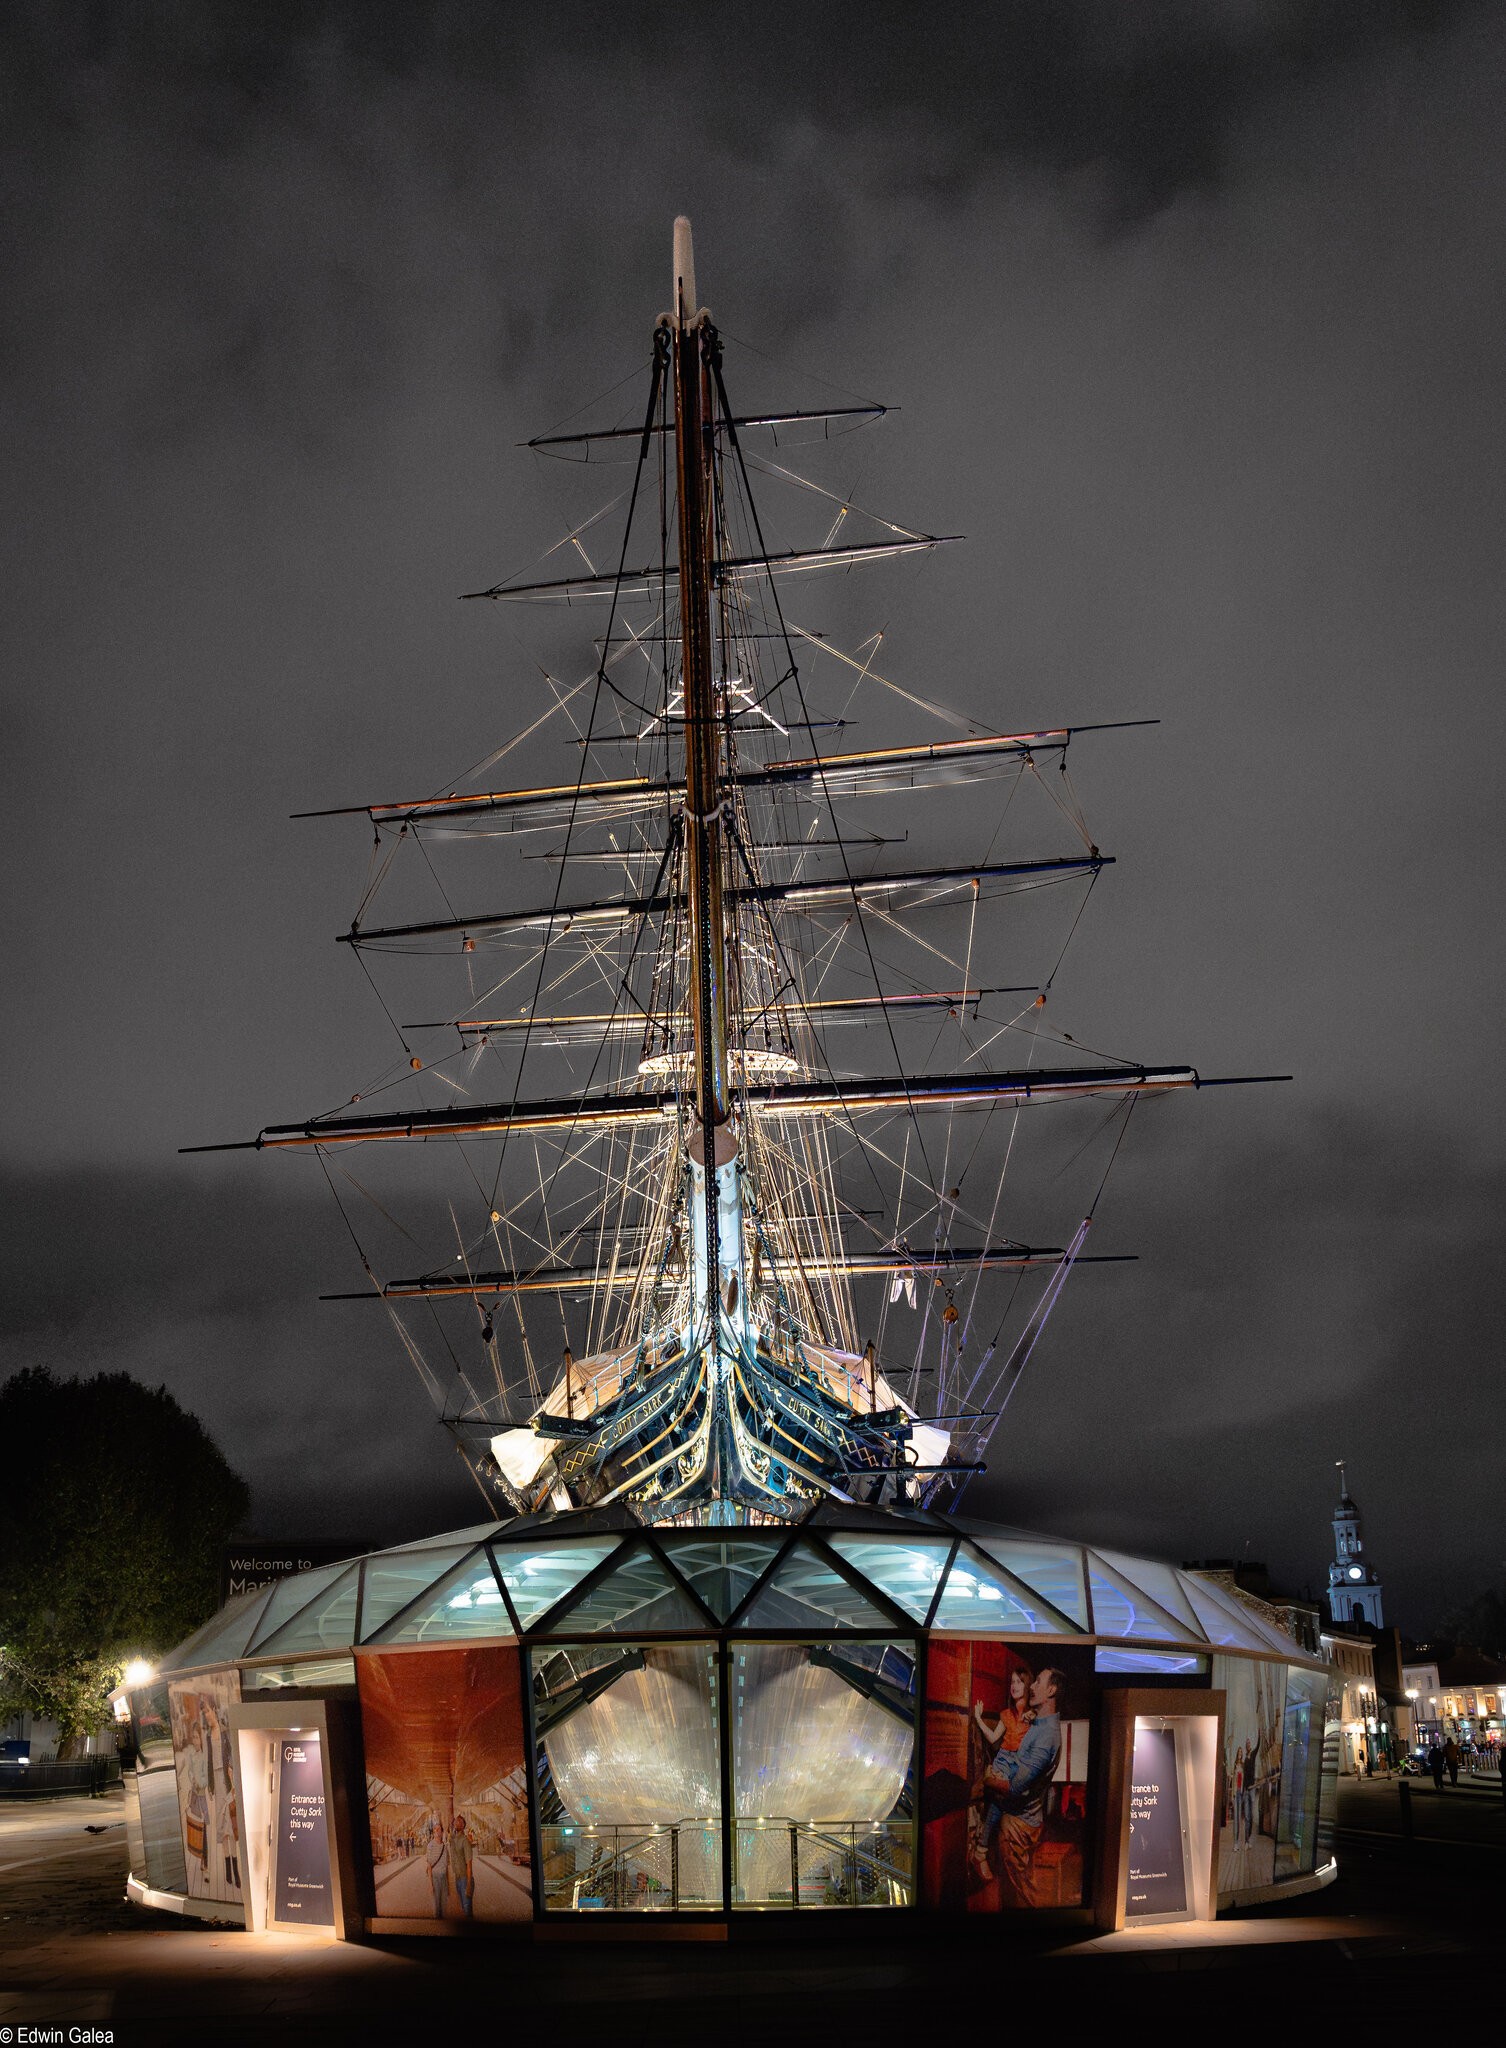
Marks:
<point>1152,1663</point>
<point>328,1622</point>
<point>447,1539</point>
<point>569,1523</point>
<point>637,1596</point>
<point>1162,1581</point>
<point>539,1573</point>
<point>855,1514</point>
<point>394,1577</point>
<point>1229,1623</point>
<point>978,1595</point>
<point>290,1596</point>
<point>1054,1570</point>
<point>1122,1611</point>
<point>466,1603</point>
<point>907,1568</point>
<point>806,1592</point>
<point>723,1570</point>
<point>223,1637</point>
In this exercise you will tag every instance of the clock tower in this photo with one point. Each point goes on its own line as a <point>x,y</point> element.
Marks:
<point>1354,1592</point>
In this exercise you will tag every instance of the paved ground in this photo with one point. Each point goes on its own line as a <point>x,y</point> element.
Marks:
<point>1409,1923</point>
<point>503,1892</point>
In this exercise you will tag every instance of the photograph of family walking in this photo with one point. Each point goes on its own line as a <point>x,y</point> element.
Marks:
<point>204,1755</point>
<point>445,1784</point>
<point>1004,1804</point>
<point>1255,1695</point>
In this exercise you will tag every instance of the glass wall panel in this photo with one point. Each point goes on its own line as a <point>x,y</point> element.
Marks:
<point>536,1577</point>
<point>978,1597</point>
<point>1255,1701</point>
<point>627,1769</point>
<point>157,1790</point>
<point>162,1832</point>
<point>468,1603</point>
<point>154,1729</point>
<point>909,1572</point>
<point>327,1623</point>
<point>398,1576</point>
<point>636,1595</point>
<point>823,1758</point>
<point>1150,1663</point>
<point>1328,1802</point>
<point>808,1593</point>
<point>1053,1569</point>
<point>321,1673</point>
<point>1301,1771</point>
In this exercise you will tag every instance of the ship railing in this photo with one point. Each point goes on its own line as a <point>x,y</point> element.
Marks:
<point>778,1862</point>
<point>617,1867</point>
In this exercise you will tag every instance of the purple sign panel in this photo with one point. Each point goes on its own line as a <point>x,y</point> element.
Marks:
<point>1157,1870</point>
<point>302,1888</point>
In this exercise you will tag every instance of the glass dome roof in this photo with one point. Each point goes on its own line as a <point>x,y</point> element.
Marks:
<point>840,1571</point>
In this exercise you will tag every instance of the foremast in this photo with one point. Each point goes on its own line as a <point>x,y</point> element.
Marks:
<point>714,1183</point>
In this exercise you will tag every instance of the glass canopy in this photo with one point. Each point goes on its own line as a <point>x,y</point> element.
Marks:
<point>590,1575</point>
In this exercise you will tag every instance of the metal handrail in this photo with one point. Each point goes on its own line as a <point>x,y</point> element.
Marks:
<point>620,1852</point>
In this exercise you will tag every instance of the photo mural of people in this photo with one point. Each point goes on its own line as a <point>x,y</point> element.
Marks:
<point>203,1756</point>
<point>445,1783</point>
<point>1004,1804</point>
<point>1256,1698</point>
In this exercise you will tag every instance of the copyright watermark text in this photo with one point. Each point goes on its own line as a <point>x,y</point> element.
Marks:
<point>45,2037</point>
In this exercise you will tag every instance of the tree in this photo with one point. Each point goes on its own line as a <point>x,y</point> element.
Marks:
<point>115,1506</point>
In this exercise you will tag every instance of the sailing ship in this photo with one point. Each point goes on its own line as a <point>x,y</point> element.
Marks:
<point>725,1155</point>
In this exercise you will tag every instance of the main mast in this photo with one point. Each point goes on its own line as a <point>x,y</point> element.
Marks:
<point>693,341</point>
<point>714,1188</point>
<point>725,1393</point>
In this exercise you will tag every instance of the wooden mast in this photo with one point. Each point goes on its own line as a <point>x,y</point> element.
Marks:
<point>713,1173</point>
<point>692,339</point>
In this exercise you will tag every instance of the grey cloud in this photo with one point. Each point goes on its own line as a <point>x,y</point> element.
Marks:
<point>207,1284</point>
<point>1312,1285</point>
<point>1193,315</point>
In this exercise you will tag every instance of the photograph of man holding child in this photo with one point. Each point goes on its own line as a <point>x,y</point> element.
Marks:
<point>1004,1806</point>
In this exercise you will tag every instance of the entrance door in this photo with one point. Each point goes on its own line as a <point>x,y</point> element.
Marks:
<point>285,1826</point>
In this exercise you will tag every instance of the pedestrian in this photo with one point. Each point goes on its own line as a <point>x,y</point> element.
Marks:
<point>438,1867</point>
<point>1435,1763</point>
<point>462,1873</point>
<point>1362,1759</point>
<point>1451,1758</point>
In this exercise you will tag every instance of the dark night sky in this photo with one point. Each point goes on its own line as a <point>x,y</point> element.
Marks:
<point>1194,316</point>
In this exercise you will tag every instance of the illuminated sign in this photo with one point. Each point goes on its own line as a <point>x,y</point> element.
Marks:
<point>302,1887</point>
<point>1157,1858</point>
